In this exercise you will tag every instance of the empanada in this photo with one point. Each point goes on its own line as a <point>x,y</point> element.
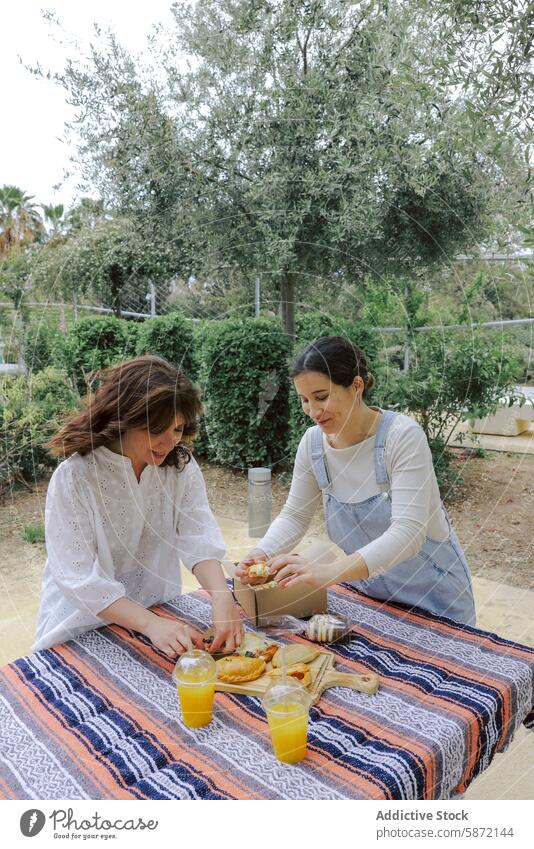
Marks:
<point>258,570</point>
<point>257,645</point>
<point>300,671</point>
<point>296,654</point>
<point>237,670</point>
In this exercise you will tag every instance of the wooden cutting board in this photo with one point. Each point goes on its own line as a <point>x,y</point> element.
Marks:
<point>324,675</point>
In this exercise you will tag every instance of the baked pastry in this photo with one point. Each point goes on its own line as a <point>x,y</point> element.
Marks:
<point>269,652</point>
<point>296,653</point>
<point>258,570</point>
<point>257,645</point>
<point>236,670</point>
<point>300,671</point>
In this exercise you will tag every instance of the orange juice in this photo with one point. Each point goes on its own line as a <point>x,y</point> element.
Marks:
<point>197,703</point>
<point>195,675</point>
<point>288,723</point>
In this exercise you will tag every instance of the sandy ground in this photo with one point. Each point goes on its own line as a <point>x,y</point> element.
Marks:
<point>493,516</point>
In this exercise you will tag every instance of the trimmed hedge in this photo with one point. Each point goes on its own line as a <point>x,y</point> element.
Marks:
<point>245,383</point>
<point>97,342</point>
<point>170,336</point>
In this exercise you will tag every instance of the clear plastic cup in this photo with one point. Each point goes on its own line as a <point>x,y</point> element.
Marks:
<point>287,707</point>
<point>194,674</point>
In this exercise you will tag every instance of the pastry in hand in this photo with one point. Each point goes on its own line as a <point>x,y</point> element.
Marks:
<point>300,671</point>
<point>237,670</point>
<point>258,570</point>
<point>296,653</point>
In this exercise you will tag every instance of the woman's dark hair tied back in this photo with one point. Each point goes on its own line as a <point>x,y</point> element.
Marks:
<point>339,359</point>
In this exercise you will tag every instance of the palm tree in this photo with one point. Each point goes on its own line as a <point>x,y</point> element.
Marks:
<point>20,222</point>
<point>55,217</point>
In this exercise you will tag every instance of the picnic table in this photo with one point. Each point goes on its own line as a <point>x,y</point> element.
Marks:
<point>98,717</point>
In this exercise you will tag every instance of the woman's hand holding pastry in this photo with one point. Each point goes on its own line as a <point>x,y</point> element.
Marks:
<point>171,636</point>
<point>243,572</point>
<point>293,569</point>
<point>227,624</point>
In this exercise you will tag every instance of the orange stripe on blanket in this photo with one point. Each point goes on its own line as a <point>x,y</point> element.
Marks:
<point>322,764</point>
<point>54,725</point>
<point>467,715</point>
<point>471,674</point>
<point>5,791</point>
<point>425,621</point>
<point>161,736</point>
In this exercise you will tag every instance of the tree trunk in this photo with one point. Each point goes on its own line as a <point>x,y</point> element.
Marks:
<point>287,303</point>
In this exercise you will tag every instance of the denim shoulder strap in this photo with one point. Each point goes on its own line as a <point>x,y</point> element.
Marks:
<point>320,469</point>
<point>381,474</point>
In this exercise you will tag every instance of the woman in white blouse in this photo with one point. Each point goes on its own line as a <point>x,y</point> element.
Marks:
<point>126,506</point>
<point>373,471</point>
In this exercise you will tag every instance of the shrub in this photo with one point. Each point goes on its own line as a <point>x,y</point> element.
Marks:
<point>170,336</point>
<point>450,380</point>
<point>245,383</point>
<point>97,342</point>
<point>43,346</point>
<point>31,412</point>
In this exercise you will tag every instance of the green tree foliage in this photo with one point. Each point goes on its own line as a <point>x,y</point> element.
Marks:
<point>31,411</point>
<point>169,336</point>
<point>109,259</point>
<point>308,140</point>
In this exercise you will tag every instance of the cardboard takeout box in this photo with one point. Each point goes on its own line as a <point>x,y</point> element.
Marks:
<point>262,601</point>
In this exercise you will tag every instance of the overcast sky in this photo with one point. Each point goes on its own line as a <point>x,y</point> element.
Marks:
<point>32,153</point>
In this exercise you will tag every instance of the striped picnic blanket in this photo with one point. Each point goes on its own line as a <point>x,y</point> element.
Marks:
<point>98,717</point>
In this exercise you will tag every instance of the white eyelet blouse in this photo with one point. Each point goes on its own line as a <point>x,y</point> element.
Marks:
<point>109,536</point>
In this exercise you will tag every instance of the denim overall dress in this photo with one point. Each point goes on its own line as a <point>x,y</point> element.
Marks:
<point>437,579</point>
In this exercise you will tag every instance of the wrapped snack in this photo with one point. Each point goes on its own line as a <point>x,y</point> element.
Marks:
<point>327,628</point>
<point>321,628</point>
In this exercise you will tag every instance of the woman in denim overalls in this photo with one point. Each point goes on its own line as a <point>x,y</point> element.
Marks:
<point>331,376</point>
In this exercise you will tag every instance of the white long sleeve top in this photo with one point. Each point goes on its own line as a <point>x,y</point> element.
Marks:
<point>109,536</point>
<point>416,509</point>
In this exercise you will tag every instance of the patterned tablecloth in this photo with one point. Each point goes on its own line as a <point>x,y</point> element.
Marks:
<point>98,717</point>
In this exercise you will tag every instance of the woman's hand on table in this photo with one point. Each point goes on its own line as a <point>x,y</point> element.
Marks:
<point>227,624</point>
<point>241,570</point>
<point>171,636</point>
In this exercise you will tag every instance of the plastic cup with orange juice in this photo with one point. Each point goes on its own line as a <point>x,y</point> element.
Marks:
<point>287,707</point>
<point>195,673</point>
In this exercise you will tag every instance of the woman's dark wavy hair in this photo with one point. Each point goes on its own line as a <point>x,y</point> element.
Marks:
<point>337,358</point>
<point>143,392</point>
